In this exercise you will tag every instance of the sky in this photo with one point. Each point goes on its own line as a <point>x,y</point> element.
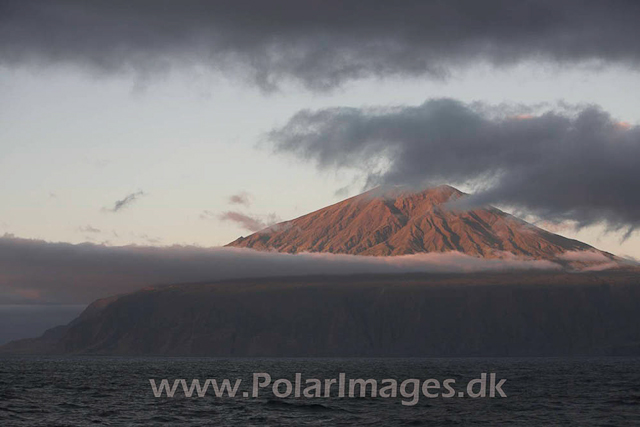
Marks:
<point>74,144</point>
<point>160,123</point>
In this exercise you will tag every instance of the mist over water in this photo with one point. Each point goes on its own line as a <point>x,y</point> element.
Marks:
<point>48,391</point>
<point>31,320</point>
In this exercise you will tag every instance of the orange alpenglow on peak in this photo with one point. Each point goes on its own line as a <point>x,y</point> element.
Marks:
<point>398,221</point>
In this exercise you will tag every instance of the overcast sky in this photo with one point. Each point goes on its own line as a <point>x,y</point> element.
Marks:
<point>160,123</point>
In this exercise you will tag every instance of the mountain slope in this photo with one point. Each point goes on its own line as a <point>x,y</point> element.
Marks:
<point>400,222</point>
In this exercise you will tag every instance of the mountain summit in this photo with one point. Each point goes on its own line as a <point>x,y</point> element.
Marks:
<point>401,222</point>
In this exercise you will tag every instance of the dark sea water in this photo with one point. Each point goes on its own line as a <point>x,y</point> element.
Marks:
<point>61,391</point>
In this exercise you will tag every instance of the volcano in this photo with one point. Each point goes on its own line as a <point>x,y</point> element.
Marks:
<point>401,222</point>
<point>554,312</point>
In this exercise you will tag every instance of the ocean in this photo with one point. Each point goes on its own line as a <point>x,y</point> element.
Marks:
<point>114,391</point>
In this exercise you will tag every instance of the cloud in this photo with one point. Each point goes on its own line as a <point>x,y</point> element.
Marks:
<point>602,266</point>
<point>592,261</point>
<point>151,240</point>
<point>567,163</point>
<point>127,201</point>
<point>242,198</point>
<point>585,256</point>
<point>320,45</point>
<point>206,214</point>
<point>34,271</point>
<point>249,222</point>
<point>89,229</point>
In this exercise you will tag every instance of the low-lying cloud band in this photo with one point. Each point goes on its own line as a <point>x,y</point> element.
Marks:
<point>38,272</point>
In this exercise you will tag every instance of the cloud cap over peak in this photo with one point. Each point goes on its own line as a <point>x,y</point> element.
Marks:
<point>320,44</point>
<point>568,163</point>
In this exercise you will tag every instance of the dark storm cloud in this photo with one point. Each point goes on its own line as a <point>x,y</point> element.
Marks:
<point>38,272</point>
<point>128,200</point>
<point>320,44</point>
<point>574,162</point>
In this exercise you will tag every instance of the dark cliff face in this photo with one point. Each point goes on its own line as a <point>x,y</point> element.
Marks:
<point>400,222</point>
<point>542,314</point>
